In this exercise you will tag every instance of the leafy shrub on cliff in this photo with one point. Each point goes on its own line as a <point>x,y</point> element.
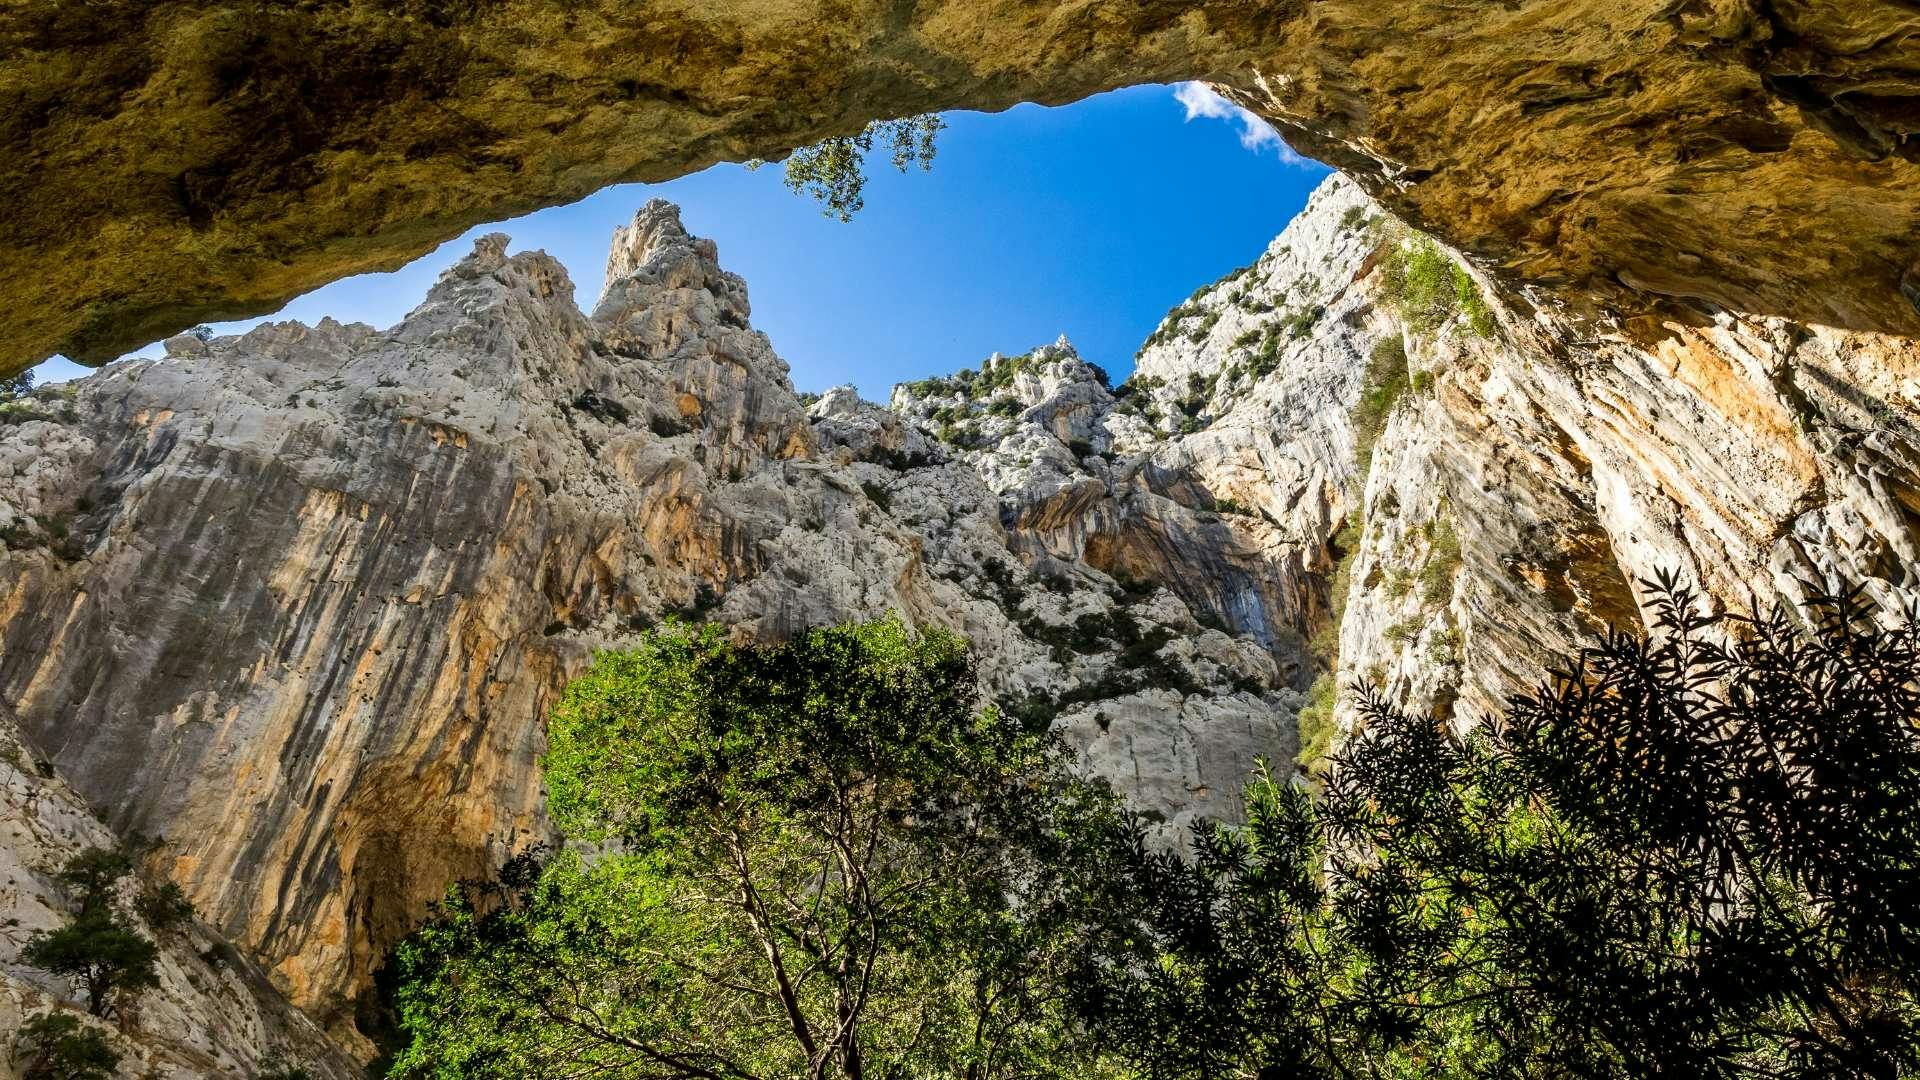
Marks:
<point>1385,383</point>
<point>1443,560</point>
<point>1429,289</point>
<point>1692,856</point>
<point>825,860</point>
<point>1316,725</point>
<point>57,1046</point>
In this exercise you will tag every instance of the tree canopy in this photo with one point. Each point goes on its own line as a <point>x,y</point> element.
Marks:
<point>1696,855</point>
<point>815,859</point>
<point>1693,853</point>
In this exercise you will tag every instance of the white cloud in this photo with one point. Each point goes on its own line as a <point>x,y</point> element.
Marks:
<point>1255,134</point>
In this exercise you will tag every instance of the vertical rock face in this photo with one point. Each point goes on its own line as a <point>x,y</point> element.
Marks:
<point>297,602</point>
<point>214,1013</point>
<point>1543,467</point>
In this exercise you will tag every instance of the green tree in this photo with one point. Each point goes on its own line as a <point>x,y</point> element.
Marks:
<point>816,859</point>
<point>17,385</point>
<point>98,950</point>
<point>59,1047</point>
<point>93,874</point>
<point>165,906</point>
<point>833,171</point>
<point>1695,855</point>
<point>101,954</point>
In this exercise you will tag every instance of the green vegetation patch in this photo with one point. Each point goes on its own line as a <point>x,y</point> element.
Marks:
<point>1428,289</point>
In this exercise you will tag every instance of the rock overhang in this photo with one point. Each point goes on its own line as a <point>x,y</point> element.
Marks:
<point>172,163</point>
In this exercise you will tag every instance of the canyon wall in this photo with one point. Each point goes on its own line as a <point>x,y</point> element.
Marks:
<point>295,603</point>
<point>1540,462</point>
<point>167,162</point>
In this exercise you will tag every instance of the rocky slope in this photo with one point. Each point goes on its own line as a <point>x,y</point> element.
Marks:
<point>214,1013</point>
<point>297,602</point>
<point>1534,464</point>
<point>170,162</point>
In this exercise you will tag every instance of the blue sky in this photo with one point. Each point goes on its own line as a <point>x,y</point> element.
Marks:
<point>1091,220</point>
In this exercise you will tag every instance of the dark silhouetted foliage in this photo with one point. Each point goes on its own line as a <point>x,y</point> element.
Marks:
<point>165,906</point>
<point>1696,855</point>
<point>59,1047</point>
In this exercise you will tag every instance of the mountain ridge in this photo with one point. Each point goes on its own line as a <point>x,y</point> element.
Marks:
<point>296,602</point>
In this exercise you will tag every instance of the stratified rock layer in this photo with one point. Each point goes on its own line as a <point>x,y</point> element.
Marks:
<point>167,162</point>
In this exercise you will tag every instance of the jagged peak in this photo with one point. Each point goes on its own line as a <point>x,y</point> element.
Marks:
<point>655,251</point>
<point>842,400</point>
<point>656,227</point>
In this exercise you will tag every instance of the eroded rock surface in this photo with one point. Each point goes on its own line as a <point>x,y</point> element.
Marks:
<point>296,602</point>
<point>167,162</point>
<point>299,601</point>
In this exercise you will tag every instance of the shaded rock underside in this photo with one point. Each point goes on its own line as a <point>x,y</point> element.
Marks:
<point>166,163</point>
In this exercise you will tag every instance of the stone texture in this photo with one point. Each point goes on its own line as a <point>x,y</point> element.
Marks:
<point>297,602</point>
<point>1571,462</point>
<point>167,162</point>
<point>214,1012</point>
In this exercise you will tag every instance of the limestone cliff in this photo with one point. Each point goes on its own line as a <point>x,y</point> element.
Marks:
<point>1540,463</point>
<point>297,602</point>
<point>214,1012</point>
<point>169,162</point>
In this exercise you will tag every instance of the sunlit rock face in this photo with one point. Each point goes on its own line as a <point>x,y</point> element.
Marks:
<point>1539,473</point>
<point>1543,470</point>
<point>214,1013</point>
<point>167,163</point>
<point>298,602</point>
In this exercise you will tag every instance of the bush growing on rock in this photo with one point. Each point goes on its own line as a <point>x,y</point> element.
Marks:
<point>57,1046</point>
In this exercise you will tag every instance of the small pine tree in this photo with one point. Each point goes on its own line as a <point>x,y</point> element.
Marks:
<point>93,873</point>
<point>101,954</point>
<point>98,950</point>
<point>164,907</point>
